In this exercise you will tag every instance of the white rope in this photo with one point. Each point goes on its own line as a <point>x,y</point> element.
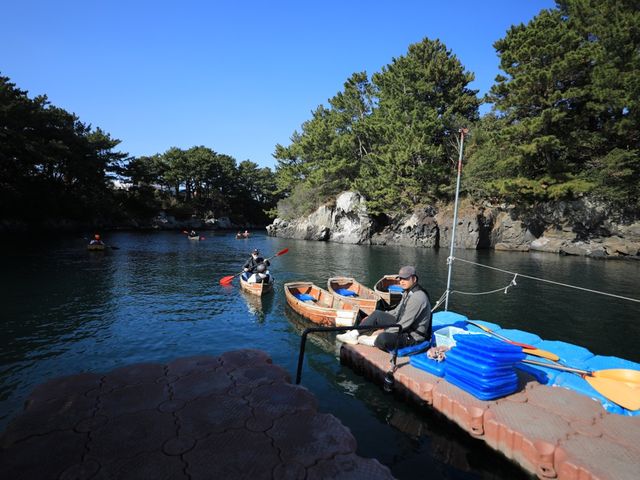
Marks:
<point>502,289</point>
<point>439,302</point>
<point>451,259</point>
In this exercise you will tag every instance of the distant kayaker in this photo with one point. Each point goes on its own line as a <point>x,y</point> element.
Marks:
<point>255,259</point>
<point>413,313</point>
<point>246,234</point>
<point>96,240</point>
<point>193,233</point>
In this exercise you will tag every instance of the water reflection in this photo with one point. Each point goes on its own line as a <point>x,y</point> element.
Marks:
<point>325,341</point>
<point>448,445</point>
<point>258,306</point>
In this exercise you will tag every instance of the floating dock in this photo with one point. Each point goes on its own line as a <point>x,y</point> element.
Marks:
<point>550,431</point>
<point>232,416</point>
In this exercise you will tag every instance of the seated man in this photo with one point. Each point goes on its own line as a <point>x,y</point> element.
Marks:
<point>413,313</point>
<point>253,262</point>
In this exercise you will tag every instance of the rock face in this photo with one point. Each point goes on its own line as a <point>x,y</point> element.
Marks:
<point>581,227</point>
<point>420,229</point>
<point>347,222</point>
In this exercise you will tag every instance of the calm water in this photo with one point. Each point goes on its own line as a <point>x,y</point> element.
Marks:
<point>157,297</point>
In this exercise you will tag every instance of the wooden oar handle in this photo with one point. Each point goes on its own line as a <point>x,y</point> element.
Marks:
<point>559,367</point>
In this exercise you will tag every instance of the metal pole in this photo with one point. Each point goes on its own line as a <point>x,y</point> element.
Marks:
<point>462,131</point>
<point>307,331</point>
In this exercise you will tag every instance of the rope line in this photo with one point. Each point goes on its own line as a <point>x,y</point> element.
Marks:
<point>451,259</point>
<point>439,302</point>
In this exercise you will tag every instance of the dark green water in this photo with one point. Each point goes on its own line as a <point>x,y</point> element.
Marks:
<point>157,297</point>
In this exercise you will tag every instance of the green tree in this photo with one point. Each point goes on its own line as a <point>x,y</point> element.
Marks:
<point>52,164</point>
<point>390,138</point>
<point>327,156</point>
<point>569,97</point>
<point>423,98</point>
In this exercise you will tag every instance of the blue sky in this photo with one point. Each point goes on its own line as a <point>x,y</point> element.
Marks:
<point>238,77</point>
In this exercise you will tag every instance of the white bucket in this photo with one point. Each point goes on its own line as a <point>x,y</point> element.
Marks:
<point>346,318</point>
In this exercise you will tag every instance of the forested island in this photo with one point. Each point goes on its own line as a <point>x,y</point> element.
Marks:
<point>563,129</point>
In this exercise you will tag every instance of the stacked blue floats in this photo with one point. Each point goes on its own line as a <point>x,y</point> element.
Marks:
<point>483,366</point>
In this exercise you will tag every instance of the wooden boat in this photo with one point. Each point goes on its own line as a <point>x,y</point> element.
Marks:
<point>197,237</point>
<point>96,247</point>
<point>318,305</point>
<point>350,290</point>
<point>256,288</point>
<point>382,289</point>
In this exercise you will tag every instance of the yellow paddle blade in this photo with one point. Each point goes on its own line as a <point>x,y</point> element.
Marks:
<point>541,353</point>
<point>618,392</point>
<point>628,376</point>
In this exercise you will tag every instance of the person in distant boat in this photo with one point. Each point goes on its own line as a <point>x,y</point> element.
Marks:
<point>239,235</point>
<point>413,313</point>
<point>193,233</point>
<point>96,240</point>
<point>255,260</point>
<point>246,234</point>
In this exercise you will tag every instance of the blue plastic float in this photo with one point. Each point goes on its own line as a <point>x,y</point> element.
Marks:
<point>478,371</point>
<point>483,366</point>
<point>428,365</point>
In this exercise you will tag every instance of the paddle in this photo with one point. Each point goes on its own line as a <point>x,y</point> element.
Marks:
<point>526,348</point>
<point>620,385</point>
<point>227,280</point>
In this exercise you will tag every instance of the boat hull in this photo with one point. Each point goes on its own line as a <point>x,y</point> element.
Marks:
<point>96,247</point>
<point>382,289</point>
<point>258,289</point>
<point>324,310</point>
<point>366,299</point>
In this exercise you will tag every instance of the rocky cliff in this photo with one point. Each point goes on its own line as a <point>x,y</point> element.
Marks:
<point>580,227</point>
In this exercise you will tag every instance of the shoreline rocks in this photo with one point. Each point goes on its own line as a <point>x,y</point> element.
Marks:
<point>581,227</point>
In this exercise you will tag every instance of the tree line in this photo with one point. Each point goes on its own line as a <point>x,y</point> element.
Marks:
<point>54,167</point>
<point>202,181</point>
<point>564,121</point>
<point>51,164</point>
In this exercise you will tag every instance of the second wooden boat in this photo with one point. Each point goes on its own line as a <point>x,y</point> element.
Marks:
<point>350,290</point>
<point>256,288</point>
<point>318,305</point>
<point>389,289</point>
